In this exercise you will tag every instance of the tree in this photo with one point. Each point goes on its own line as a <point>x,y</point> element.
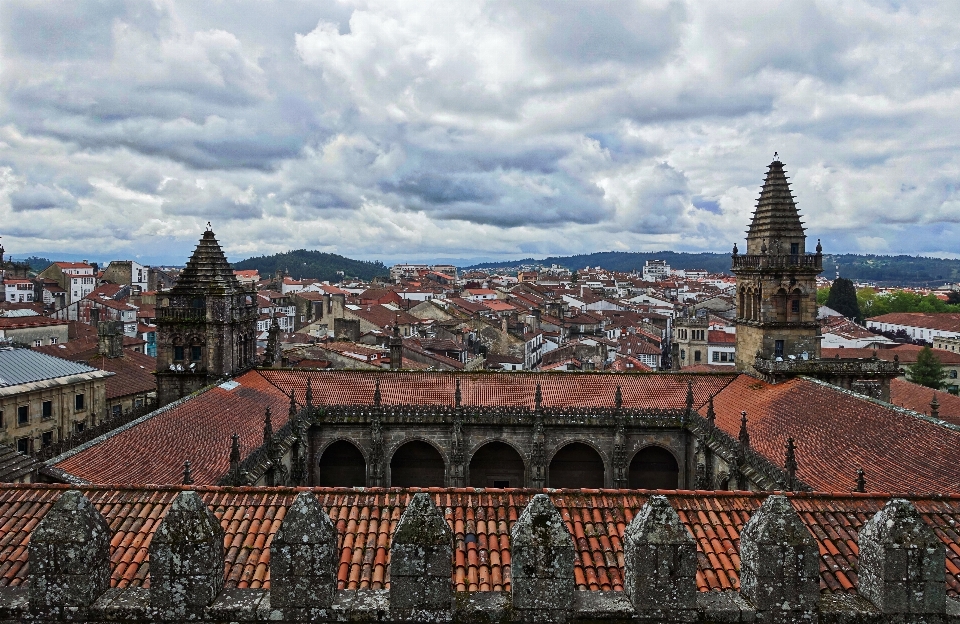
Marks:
<point>843,298</point>
<point>574,278</point>
<point>928,371</point>
<point>822,294</point>
<point>953,297</point>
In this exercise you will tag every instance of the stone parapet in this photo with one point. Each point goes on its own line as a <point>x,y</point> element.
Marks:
<point>901,572</point>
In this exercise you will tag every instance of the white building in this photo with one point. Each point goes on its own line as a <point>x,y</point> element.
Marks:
<point>18,290</point>
<point>655,270</point>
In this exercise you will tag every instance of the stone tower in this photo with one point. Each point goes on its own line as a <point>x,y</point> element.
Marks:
<point>206,325</point>
<point>776,281</point>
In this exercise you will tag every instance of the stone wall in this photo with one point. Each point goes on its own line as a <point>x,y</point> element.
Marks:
<point>902,565</point>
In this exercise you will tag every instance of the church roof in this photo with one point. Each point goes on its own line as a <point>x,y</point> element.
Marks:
<point>207,271</point>
<point>480,520</point>
<point>776,215</point>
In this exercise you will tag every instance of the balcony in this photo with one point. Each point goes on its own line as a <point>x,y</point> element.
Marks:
<point>827,368</point>
<point>181,314</point>
<point>770,261</point>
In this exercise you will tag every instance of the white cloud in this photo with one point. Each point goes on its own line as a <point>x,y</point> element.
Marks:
<point>391,129</point>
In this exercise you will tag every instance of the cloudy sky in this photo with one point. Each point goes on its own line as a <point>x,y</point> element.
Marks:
<point>420,131</point>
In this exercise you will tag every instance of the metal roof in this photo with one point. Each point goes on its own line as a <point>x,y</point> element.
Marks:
<point>20,366</point>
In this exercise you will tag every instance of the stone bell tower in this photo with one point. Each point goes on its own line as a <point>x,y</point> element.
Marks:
<point>206,325</point>
<point>776,281</point>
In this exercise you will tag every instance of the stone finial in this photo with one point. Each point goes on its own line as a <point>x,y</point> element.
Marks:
<point>618,398</point>
<point>538,397</point>
<point>711,415</point>
<point>744,434</point>
<point>376,393</point>
<point>309,395</point>
<point>861,481</point>
<point>267,428</point>
<point>779,560</point>
<point>935,406</point>
<point>457,396</point>
<point>790,463</point>
<point>819,247</point>
<point>234,451</point>
<point>292,410</point>
<point>303,557</point>
<point>689,402</point>
<point>186,559</point>
<point>69,555</point>
<point>735,250</point>
<point>660,562</point>
<point>421,560</point>
<point>187,474</point>
<point>902,562</point>
<point>542,560</point>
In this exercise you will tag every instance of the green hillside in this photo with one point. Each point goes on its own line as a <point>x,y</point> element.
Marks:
<point>302,263</point>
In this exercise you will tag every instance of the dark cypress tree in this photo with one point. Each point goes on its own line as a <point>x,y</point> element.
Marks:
<point>843,298</point>
<point>928,371</point>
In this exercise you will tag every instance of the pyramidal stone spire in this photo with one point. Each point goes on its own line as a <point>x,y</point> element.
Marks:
<point>776,221</point>
<point>207,270</point>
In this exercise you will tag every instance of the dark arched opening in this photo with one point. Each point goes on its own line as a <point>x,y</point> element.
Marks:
<point>496,464</point>
<point>416,464</point>
<point>341,465</point>
<point>576,466</point>
<point>654,468</point>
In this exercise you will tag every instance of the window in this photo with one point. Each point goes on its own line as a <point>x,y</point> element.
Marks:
<point>795,306</point>
<point>46,438</point>
<point>117,410</point>
<point>195,354</point>
<point>79,426</point>
<point>47,409</point>
<point>178,354</point>
<point>138,402</point>
<point>54,340</point>
<point>38,343</point>
<point>953,374</point>
<point>683,354</point>
<point>716,356</point>
<point>696,356</point>
<point>23,415</point>
<point>23,446</point>
<point>794,249</point>
<point>778,349</point>
<point>78,402</point>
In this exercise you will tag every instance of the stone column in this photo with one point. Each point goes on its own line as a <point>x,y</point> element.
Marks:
<point>421,563</point>
<point>186,560</point>
<point>303,558</point>
<point>660,564</point>
<point>902,562</point>
<point>69,555</point>
<point>541,565</point>
<point>779,564</point>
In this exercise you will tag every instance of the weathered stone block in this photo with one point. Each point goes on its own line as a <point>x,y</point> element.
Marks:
<point>303,557</point>
<point>902,562</point>
<point>186,559</point>
<point>542,560</point>
<point>421,560</point>
<point>660,562</point>
<point>779,560</point>
<point>69,555</point>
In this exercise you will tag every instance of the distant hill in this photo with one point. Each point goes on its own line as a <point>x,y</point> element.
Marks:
<point>884,270</point>
<point>302,263</point>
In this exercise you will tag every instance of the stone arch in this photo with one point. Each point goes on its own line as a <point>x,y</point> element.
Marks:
<point>741,310</point>
<point>795,304</point>
<point>497,463</point>
<point>576,464</point>
<point>781,305</point>
<point>417,462</point>
<point>654,467</point>
<point>341,463</point>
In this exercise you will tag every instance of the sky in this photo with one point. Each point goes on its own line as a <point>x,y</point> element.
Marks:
<point>429,131</point>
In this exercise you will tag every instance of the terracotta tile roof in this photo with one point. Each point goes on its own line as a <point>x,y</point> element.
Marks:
<point>383,317</point>
<point>837,431</point>
<point>481,521</point>
<point>906,354</point>
<point>721,337</point>
<point>198,429</point>
<point>23,322</point>
<point>942,321</point>
<point>917,398</point>
<point>15,465</point>
<point>489,389</point>
<point>498,306</point>
<point>133,373</point>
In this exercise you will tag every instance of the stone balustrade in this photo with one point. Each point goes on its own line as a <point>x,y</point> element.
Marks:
<point>901,572</point>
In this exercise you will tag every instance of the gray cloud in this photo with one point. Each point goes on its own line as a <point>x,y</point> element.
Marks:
<point>40,197</point>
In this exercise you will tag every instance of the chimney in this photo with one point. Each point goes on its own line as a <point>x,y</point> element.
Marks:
<point>535,320</point>
<point>396,346</point>
<point>110,339</point>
